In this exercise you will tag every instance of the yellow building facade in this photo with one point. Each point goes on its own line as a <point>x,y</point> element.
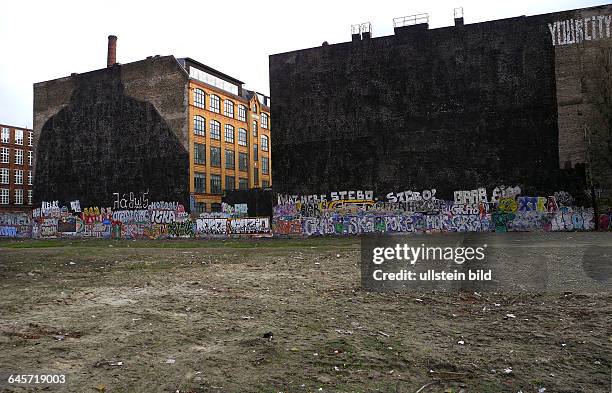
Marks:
<point>229,137</point>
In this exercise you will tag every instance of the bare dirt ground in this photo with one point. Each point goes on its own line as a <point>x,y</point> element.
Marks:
<point>190,316</point>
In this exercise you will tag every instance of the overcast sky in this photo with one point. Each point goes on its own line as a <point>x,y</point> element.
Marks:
<point>42,40</point>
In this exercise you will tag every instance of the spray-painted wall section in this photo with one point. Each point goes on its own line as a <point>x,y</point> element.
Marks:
<point>504,209</point>
<point>130,218</point>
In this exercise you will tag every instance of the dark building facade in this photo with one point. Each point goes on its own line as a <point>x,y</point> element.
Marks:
<point>162,128</point>
<point>515,101</point>
<point>120,129</point>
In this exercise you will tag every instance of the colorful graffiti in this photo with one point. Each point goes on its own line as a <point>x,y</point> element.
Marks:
<point>340,213</point>
<point>135,218</point>
<point>503,210</point>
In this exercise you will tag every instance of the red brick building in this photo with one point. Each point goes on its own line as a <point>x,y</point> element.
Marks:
<point>16,168</point>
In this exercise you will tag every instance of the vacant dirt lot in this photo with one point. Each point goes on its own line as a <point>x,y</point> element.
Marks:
<point>191,317</point>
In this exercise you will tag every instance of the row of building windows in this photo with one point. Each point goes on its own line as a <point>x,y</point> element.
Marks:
<point>199,128</point>
<point>215,183</point>
<point>199,180</point>
<point>5,136</point>
<point>5,196</point>
<point>199,100</point>
<point>5,176</point>
<point>199,157</point>
<point>5,156</point>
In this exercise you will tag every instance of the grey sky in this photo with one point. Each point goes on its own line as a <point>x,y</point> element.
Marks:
<point>42,40</point>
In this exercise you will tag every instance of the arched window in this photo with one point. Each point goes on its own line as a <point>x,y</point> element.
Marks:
<point>264,120</point>
<point>228,108</point>
<point>264,143</point>
<point>199,125</point>
<point>242,137</point>
<point>229,133</point>
<point>215,103</point>
<point>242,110</point>
<point>215,129</point>
<point>199,98</point>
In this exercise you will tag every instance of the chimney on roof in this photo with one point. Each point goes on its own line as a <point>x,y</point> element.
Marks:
<point>111,57</point>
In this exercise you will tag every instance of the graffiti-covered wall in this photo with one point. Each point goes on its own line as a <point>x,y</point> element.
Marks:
<point>513,101</point>
<point>503,209</point>
<point>131,217</point>
<point>113,130</point>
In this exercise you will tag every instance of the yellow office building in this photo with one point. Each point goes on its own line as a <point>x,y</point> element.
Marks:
<point>229,136</point>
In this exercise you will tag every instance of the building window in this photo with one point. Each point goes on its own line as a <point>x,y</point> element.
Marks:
<point>18,196</point>
<point>243,184</point>
<point>199,98</point>
<point>228,108</point>
<point>242,110</point>
<point>230,160</point>
<point>18,176</point>
<point>4,176</point>
<point>264,120</point>
<point>264,143</point>
<point>243,161</point>
<point>4,196</point>
<point>215,156</point>
<point>230,183</point>
<point>254,127</point>
<point>199,182</point>
<point>255,155</point>
<point>201,207</point>
<point>199,153</point>
<point>256,177</point>
<point>18,156</point>
<point>19,137</point>
<point>30,157</point>
<point>242,137</point>
<point>215,103</point>
<point>229,133</point>
<point>255,108</point>
<point>30,138</point>
<point>30,178</point>
<point>30,197</point>
<point>265,165</point>
<point>199,125</point>
<point>215,184</point>
<point>265,184</point>
<point>5,155</point>
<point>6,135</point>
<point>215,130</point>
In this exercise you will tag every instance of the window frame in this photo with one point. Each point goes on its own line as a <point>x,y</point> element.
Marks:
<point>215,152</point>
<point>265,146</point>
<point>215,103</point>
<point>242,112</point>
<point>199,120</point>
<point>214,179</point>
<point>232,161</point>
<point>245,167</point>
<point>264,120</point>
<point>228,108</point>
<point>199,149</point>
<point>201,176</point>
<point>215,130</point>
<point>199,98</point>
<point>229,130</point>
<point>242,132</point>
<point>5,193</point>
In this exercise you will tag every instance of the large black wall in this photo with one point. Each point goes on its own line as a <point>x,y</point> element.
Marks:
<point>104,141</point>
<point>452,108</point>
